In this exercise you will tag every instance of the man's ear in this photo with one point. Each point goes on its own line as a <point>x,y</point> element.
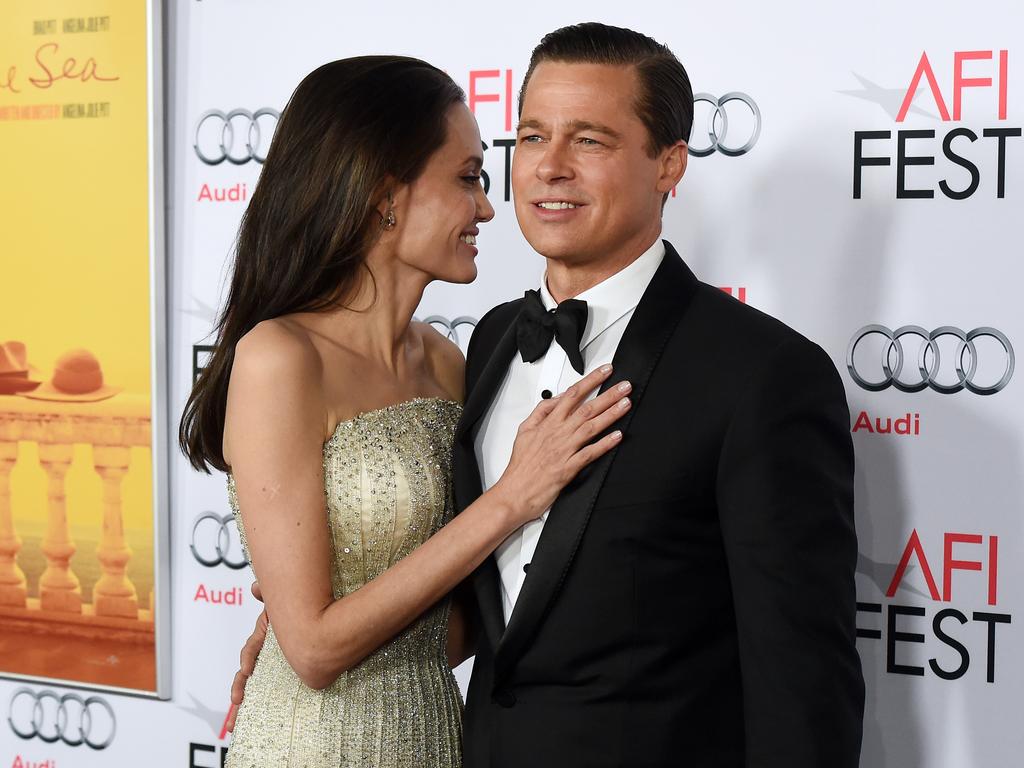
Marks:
<point>672,165</point>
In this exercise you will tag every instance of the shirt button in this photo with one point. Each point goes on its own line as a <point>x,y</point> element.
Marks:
<point>526,568</point>
<point>546,394</point>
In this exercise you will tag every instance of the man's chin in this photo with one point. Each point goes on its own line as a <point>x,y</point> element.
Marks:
<point>553,240</point>
<point>560,248</point>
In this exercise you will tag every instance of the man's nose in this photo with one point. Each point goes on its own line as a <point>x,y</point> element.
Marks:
<point>556,163</point>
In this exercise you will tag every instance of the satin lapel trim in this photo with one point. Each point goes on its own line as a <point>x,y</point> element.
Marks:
<point>486,580</point>
<point>487,385</point>
<point>655,319</point>
<point>487,586</point>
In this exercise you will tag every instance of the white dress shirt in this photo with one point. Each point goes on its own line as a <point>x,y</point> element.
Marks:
<point>610,306</point>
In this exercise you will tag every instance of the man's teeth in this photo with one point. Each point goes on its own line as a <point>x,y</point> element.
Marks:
<point>468,239</point>
<point>556,206</point>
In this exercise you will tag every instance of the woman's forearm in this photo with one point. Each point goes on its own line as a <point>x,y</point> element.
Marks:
<point>345,631</point>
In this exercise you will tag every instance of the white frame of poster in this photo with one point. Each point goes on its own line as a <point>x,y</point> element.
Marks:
<point>158,350</point>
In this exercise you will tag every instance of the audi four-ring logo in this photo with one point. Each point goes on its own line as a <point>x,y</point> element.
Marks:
<point>213,541</point>
<point>450,328</point>
<point>69,718</point>
<point>243,135</point>
<point>718,125</point>
<point>928,361</point>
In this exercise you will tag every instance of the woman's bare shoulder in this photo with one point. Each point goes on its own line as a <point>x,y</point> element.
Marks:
<point>277,347</point>
<point>446,361</point>
<point>276,371</point>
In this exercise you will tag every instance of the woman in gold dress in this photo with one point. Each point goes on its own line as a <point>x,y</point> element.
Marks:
<point>333,413</point>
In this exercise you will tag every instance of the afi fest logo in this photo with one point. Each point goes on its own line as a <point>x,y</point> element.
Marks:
<point>930,627</point>
<point>729,124</point>
<point>970,100</point>
<point>494,86</point>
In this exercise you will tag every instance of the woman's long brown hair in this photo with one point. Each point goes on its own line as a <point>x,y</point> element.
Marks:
<point>349,128</point>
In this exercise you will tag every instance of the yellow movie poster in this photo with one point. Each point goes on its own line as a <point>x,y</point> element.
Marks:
<point>78,507</point>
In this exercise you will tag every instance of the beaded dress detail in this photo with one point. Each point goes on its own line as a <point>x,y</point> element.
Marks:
<point>387,476</point>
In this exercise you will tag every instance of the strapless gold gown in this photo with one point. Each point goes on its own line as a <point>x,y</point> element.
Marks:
<point>388,486</point>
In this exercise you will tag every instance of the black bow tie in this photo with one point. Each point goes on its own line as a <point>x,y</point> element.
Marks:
<point>536,326</point>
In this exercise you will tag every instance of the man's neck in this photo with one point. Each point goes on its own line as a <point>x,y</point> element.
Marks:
<point>566,281</point>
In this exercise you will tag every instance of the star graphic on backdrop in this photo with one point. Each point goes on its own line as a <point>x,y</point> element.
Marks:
<point>889,99</point>
<point>881,575</point>
<point>202,311</point>
<point>209,716</point>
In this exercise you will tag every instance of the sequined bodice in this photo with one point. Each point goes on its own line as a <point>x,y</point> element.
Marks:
<point>387,480</point>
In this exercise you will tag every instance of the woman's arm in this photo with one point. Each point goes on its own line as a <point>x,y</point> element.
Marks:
<point>274,434</point>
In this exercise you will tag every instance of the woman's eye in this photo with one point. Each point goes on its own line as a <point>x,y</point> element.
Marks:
<point>471,179</point>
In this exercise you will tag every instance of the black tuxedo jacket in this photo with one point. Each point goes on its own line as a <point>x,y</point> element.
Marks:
<point>691,601</point>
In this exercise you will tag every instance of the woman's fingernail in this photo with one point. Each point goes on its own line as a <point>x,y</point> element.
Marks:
<point>624,386</point>
<point>606,368</point>
<point>624,403</point>
<point>617,434</point>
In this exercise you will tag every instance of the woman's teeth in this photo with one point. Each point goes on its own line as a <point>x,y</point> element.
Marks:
<point>468,239</point>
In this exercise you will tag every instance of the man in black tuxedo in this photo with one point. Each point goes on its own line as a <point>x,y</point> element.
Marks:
<point>689,599</point>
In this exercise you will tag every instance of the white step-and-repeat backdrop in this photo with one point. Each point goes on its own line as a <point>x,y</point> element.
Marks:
<point>858,172</point>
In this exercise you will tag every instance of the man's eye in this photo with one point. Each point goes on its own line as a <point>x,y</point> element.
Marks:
<point>588,141</point>
<point>531,139</point>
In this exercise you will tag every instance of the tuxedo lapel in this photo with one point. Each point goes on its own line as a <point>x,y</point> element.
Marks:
<point>483,390</point>
<point>486,579</point>
<point>654,320</point>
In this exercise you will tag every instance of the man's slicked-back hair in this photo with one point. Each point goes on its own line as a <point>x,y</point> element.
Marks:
<point>664,102</point>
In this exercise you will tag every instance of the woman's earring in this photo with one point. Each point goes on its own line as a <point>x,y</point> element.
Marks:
<point>388,221</point>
